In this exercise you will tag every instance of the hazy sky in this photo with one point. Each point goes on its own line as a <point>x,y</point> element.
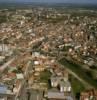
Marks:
<point>56,1</point>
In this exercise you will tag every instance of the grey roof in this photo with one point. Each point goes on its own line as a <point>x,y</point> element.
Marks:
<point>65,83</point>
<point>56,95</point>
<point>3,89</point>
<point>59,95</point>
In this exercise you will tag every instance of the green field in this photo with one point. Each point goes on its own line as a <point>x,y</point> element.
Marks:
<point>79,71</point>
<point>77,86</point>
<point>45,77</point>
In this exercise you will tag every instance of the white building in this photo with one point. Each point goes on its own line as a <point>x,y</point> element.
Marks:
<point>65,86</point>
<point>54,81</point>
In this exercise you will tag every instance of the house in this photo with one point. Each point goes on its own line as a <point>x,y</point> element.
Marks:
<point>9,76</point>
<point>20,76</point>
<point>2,58</point>
<point>4,48</point>
<point>3,89</point>
<point>35,54</point>
<point>39,68</point>
<point>5,93</point>
<point>89,95</point>
<point>36,63</point>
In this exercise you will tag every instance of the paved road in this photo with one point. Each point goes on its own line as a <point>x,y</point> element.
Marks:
<point>3,67</point>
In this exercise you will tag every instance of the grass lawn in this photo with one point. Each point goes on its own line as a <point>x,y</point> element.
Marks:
<point>77,86</point>
<point>45,77</point>
<point>76,68</point>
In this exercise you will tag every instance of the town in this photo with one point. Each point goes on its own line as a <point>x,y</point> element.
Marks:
<point>48,54</point>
